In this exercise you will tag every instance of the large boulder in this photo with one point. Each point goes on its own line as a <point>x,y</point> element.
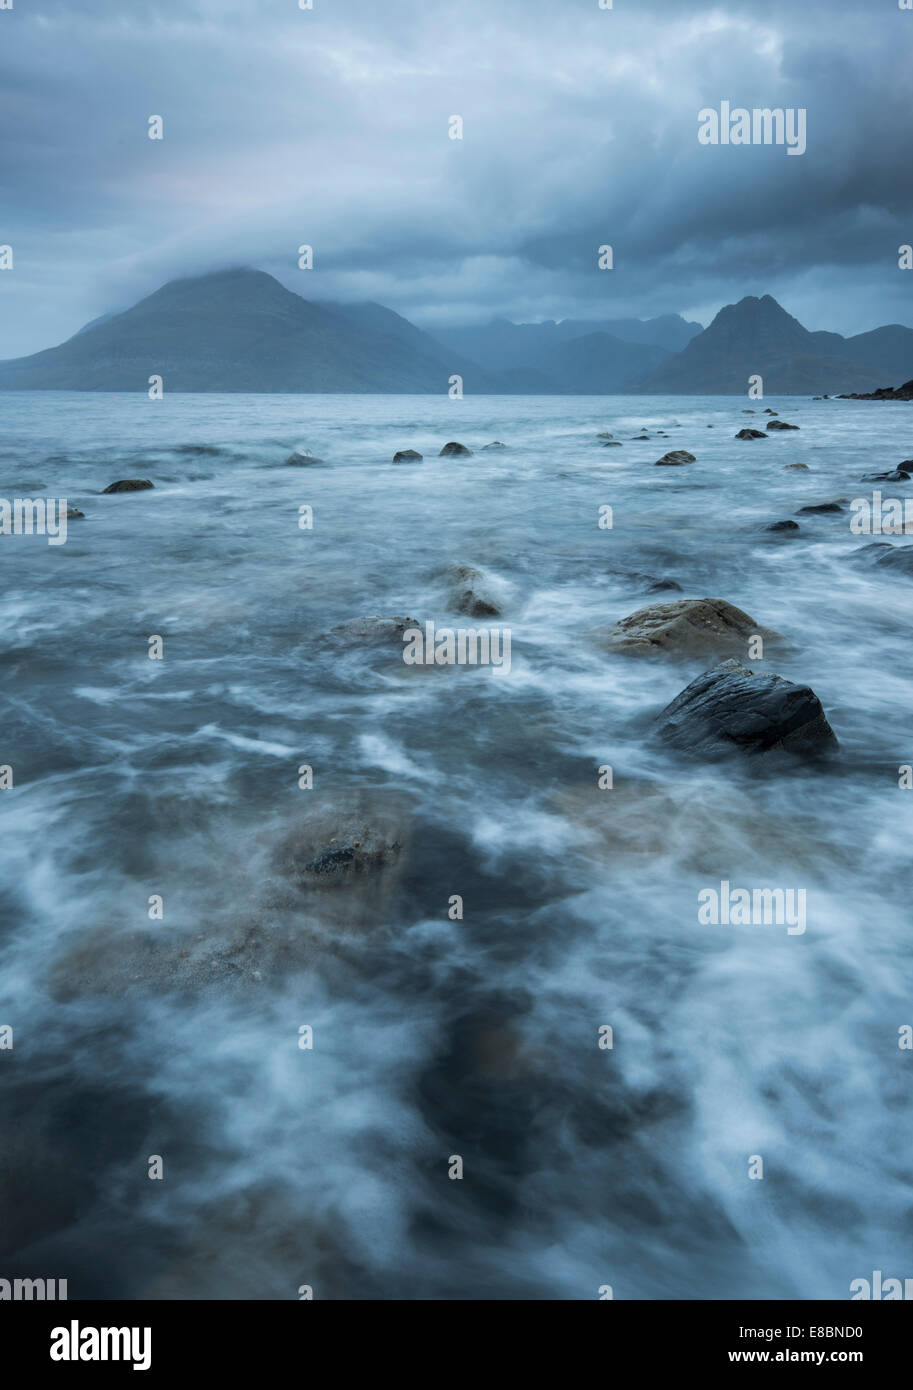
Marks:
<point>407,456</point>
<point>689,627</point>
<point>452,449</point>
<point>735,710</point>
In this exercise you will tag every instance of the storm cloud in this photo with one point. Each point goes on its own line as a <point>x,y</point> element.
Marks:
<point>330,127</point>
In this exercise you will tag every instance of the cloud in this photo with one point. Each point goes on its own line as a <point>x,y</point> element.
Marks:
<point>330,127</point>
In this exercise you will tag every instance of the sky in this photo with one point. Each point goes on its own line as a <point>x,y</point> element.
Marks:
<point>331,127</point>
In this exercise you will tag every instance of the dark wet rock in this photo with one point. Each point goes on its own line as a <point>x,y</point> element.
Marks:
<point>612,444</point>
<point>640,437</point>
<point>749,412</point>
<point>780,425</point>
<point>301,458</point>
<point>469,593</point>
<point>883,555</point>
<point>751,434</point>
<point>898,475</point>
<point>407,456</point>
<point>735,710</point>
<point>796,467</point>
<point>783,526</point>
<point>495,444</point>
<point>687,627</point>
<point>819,509</point>
<point>675,457</point>
<point>452,449</point>
<point>73,514</point>
<point>768,411</point>
<point>130,485</point>
<point>884,393</point>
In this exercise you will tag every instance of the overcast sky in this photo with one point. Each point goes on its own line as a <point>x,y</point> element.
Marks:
<point>330,127</point>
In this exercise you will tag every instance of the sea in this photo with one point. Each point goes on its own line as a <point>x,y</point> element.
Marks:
<point>481,1045</point>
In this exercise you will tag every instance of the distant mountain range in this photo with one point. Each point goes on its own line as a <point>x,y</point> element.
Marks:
<point>241,330</point>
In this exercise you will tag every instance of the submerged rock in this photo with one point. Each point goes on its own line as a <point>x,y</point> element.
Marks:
<point>372,630</point>
<point>751,434</point>
<point>495,444</point>
<point>783,526</point>
<point>407,456</point>
<point>796,467</point>
<point>301,458</point>
<point>768,411</point>
<point>780,425</point>
<point>687,627</point>
<point>604,434</point>
<point>819,508</point>
<point>647,583</point>
<point>469,594</point>
<point>129,485</point>
<point>675,456</point>
<point>73,514</point>
<point>452,449</point>
<point>897,475</point>
<point>734,710</point>
<point>884,555</point>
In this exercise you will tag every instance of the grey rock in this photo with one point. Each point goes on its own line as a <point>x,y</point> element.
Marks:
<point>751,434</point>
<point>452,449</point>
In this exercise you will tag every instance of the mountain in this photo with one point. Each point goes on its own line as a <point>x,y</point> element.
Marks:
<point>500,344</point>
<point>598,364</point>
<point>240,330</point>
<point>758,337</point>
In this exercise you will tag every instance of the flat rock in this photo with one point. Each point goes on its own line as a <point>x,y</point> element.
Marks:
<point>495,444</point>
<point>735,710</point>
<point>783,526</point>
<point>819,509</point>
<point>796,467</point>
<point>372,630</point>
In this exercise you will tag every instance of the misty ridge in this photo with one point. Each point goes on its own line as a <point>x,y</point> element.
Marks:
<point>241,330</point>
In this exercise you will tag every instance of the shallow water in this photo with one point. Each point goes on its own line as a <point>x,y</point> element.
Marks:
<point>432,1037</point>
